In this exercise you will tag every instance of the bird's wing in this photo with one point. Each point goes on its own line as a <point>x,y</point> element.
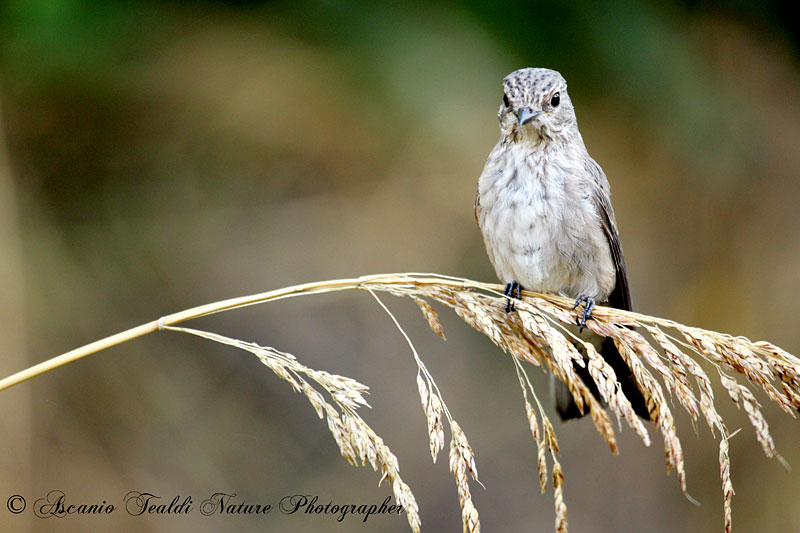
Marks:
<point>620,297</point>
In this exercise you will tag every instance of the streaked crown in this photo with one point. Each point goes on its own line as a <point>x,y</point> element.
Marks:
<point>536,103</point>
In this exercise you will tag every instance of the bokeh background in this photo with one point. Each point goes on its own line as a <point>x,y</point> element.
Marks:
<point>159,155</point>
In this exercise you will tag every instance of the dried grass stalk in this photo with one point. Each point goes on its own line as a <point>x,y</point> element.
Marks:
<point>357,441</point>
<point>671,358</point>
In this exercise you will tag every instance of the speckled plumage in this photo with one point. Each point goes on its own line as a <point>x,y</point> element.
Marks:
<point>544,204</point>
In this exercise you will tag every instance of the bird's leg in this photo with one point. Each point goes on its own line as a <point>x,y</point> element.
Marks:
<point>587,310</point>
<point>512,290</point>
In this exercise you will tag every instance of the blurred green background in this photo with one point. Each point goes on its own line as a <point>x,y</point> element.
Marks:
<point>160,155</point>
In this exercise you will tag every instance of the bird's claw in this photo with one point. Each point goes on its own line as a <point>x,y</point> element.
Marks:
<point>512,290</point>
<point>581,319</point>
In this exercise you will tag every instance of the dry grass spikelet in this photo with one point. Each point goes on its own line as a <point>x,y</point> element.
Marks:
<point>558,477</point>
<point>727,486</point>
<point>674,377</point>
<point>611,392</point>
<point>432,405</point>
<point>563,352</point>
<point>558,497</point>
<point>564,357</point>
<point>541,462</point>
<point>680,367</point>
<point>682,364</point>
<point>743,398</point>
<point>462,462</point>
<point>736,354</point>
<point>431,315</point>
<point>533,424</point>
<point>660,413</point>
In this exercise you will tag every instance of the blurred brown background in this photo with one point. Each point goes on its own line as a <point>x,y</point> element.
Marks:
<point>161,155</point>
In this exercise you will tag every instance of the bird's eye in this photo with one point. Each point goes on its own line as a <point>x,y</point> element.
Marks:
<point>505,100</point>
<point>555,100</point>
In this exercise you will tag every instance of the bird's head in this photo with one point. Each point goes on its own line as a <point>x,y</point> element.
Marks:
<point>536,106</point>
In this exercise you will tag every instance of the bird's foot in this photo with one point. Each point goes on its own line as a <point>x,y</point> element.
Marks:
<point>512,290</point>
<point>581,319</point>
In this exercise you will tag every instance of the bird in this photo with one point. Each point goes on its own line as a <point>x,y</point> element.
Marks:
<point>544,209</point>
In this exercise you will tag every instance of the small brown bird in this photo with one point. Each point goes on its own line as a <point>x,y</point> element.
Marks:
<point>544,208</point>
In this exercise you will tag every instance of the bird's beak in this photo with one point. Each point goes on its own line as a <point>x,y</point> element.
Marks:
<point>526,115</point>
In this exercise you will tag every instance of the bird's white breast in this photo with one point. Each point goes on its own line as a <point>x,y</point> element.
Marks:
<point>540,225</point>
